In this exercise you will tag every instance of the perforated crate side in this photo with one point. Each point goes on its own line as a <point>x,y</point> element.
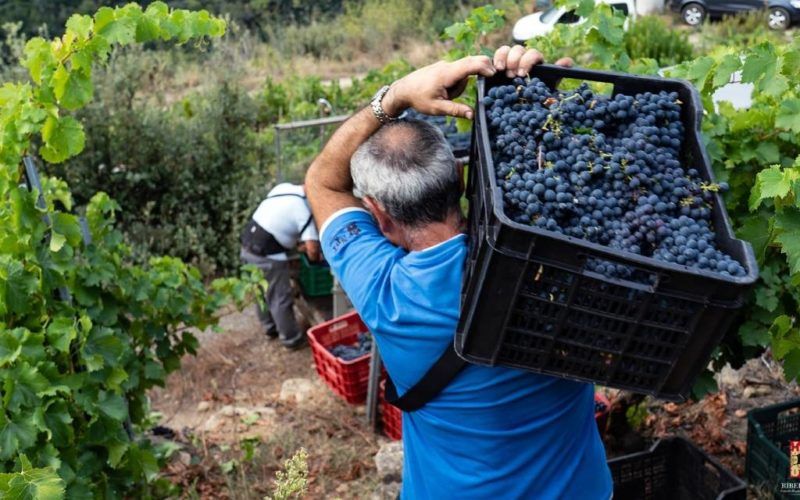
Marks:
<point>347,379</point>
<point>528,301</point>
<point>673,469</point>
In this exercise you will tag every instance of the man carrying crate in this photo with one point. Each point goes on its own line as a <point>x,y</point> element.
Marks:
<point>281,221</point>
<point>387,194</point>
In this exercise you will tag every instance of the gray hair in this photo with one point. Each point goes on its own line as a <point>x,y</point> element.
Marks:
<point>408,167</point>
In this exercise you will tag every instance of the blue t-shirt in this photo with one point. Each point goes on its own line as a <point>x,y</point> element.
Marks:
<point>492,432</point>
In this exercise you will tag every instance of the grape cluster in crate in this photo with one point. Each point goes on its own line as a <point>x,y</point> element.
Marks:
<point>348,352</point>
<point>604,169</point>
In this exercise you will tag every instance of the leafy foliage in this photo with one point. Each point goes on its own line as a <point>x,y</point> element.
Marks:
<point>32,484</point>
<point>293,482</point>
<point>757,150</point>
<point>651,37</point>
<point>83,334</point>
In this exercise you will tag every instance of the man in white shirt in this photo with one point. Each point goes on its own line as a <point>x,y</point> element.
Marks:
<point>281,223</point>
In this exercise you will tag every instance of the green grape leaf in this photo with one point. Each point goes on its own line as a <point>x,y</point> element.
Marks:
<point>81,25</point>
<point>768,152</point>
<point>73,88</point>
<point>760,62</point>
<point>142,462</point>
<point>774,85</point>
<point>57,242</point>
<point>725,68</point>
<point>147,29</point>
<point>112,405</point>
<point>116,29</point>
<point>19,285</point>
<point>773,182</point>
<point>61,332</point>
<point>102,348</point>
<point>69,226</point>
<point>10,347</point>
<point>59,422</point>
<point>699,71</point>
<point>23,385</point>
<point>63,137</point>
<point>788,116</point>
<point>610,28</point>
<point>788,223</point>
<point>39,58</point>
<point>32,484</point>
<point>791,364</point>
<point>754,333</point>
<point>767,298</point>
<point>15,435</point>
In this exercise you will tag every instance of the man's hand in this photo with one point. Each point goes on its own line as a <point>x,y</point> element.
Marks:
<point>431,89</point>
<point>312,250</point>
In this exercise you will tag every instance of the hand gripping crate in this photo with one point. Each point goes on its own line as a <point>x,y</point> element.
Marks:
<point>316,279</point>
<point>769,432</point>
<point>347,379</point>
<point>529,302</point>
<point>673,469</point>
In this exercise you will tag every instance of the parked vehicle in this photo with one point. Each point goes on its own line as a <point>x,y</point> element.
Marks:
<point>542,23</point>
<point>782,13</point>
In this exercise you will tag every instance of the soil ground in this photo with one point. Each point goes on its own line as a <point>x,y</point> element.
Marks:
<point>228,398</point>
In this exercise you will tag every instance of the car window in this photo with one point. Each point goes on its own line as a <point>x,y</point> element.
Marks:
<point>569,17</point>
<point>622,7</point>
<point>549,16</point>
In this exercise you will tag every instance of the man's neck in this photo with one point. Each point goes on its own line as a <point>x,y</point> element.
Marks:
<point>434,233</point>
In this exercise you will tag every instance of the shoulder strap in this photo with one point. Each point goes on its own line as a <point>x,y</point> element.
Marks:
<point>310,218</point>
<point>439,376</point>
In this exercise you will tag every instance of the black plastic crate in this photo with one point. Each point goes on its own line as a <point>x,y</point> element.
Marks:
<point>673,469</point>
<point>528,302</point>
<point>769,431</point>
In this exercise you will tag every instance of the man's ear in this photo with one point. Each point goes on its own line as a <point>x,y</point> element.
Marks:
<point>385,222</point>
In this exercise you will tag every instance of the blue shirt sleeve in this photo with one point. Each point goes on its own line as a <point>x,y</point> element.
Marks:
<point>360,257</point>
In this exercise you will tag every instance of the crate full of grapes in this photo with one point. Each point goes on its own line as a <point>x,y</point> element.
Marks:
<point>600,248</point>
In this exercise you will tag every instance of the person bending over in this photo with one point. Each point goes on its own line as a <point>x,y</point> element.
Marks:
<point>281,221</point>
<point>387,195</point>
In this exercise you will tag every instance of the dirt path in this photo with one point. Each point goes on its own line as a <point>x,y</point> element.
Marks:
<point>228,399</point>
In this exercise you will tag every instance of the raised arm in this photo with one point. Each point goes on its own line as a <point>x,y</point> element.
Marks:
<point>429,90</point>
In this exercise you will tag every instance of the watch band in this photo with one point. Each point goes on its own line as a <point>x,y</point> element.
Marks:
<point>377,109</point>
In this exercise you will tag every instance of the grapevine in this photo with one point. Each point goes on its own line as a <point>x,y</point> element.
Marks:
<point>83,334</point>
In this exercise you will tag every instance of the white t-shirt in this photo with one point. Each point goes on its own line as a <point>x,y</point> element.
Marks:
<point>285,216</point>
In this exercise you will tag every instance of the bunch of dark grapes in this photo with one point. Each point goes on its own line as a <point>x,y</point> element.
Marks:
<point>604,169</point>
<point>348,352</point>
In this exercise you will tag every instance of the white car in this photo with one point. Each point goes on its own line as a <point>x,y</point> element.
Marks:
<point>542,23</point>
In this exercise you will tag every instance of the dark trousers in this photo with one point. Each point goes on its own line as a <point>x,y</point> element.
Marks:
<point>279,300</point>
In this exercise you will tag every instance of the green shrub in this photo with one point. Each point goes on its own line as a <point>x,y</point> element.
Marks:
<point>652,37</point>
<point>741,30</point>
<point>187,175</point>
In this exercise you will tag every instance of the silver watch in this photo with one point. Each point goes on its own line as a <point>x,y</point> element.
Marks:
<point>377,109</point>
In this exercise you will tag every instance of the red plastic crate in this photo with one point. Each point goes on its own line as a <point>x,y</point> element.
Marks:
<point>391,417</point>
<point>348,379</point>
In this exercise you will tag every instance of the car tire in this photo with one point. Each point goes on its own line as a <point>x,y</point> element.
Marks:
<point>693,14</point>
<point>778,19</point>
